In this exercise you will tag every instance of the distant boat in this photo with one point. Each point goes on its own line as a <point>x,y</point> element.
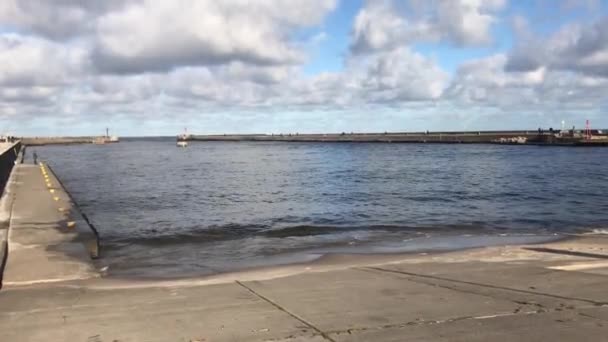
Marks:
<point>105,140</point>
<point>99,140</point>
<point>182,139</point>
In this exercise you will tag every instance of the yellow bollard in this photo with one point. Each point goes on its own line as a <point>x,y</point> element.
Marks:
<point>71,224</point>
<point>56,198</point>
<point>52,191</point>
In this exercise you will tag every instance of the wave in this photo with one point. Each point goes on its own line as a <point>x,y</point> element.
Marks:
<point>599,231</point>
<point>198,234</point>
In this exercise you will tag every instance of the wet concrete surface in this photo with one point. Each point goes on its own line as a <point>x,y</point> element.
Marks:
<point>522,300</point>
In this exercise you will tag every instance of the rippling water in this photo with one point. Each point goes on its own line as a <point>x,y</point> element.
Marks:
<point>215,206</point>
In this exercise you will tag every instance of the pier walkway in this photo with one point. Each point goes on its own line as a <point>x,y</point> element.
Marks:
<point>47,237</point>
<point>53,292</point>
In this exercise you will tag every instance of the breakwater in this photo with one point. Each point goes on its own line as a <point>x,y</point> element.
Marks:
<point>41,141</point>
<point>9,153</point>
<point>449,137</point>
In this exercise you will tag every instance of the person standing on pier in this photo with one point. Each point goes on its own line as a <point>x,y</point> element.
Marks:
<point>35,156</point>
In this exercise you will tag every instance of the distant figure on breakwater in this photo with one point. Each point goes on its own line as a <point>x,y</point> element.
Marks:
<point>35,156</point>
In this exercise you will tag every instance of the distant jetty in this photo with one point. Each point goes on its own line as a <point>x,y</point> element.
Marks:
<point>532,137</point>
<point>98,140</point>
<point>41,141</point>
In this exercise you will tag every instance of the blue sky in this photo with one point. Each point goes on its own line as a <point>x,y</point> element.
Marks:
<point>300,65</point>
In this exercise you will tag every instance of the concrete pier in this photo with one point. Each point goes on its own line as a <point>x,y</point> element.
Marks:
<point>465,137</point>
<point>41,141</point>
<point>48,240</point>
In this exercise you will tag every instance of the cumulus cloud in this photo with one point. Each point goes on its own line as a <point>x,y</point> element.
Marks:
<point>160,36</point>
<point>400,76</point>
<point>484,82</point>
<point>141,59</point>
<point>467,22</point>
<point>576,48</point>
<point>111,57</point>
<point>35,72</point>
<point>29,61</point>
<point>59,19</point>
<point>378,26</point>
<point>395,78</point>
<point>384,24</point>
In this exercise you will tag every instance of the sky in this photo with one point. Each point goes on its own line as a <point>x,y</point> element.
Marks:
<point>155,67</point>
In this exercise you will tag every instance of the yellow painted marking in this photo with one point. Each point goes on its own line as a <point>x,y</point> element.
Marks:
<point>56,198</point>
<point>52,191</point>
<point>71,224</point>
<point>61,209</point>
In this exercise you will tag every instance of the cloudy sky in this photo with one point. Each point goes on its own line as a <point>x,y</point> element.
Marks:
<point>153,67</point>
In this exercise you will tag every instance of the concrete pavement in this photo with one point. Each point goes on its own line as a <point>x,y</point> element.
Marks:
<point>415,299</point>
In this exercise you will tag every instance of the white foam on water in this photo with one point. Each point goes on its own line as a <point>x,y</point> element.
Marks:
<point>602,231</point>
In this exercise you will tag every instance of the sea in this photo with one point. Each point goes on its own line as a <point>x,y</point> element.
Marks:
<point>215,207</point>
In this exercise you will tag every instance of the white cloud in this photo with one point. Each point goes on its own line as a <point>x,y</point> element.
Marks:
<point>378,26</point>
<point>385,24</point>
<point>78,61</point>
<point>467,22</point>
<point>394,78</point>
<point>575,47</point>
<point>484,82</point>
<point>400,76</point>
<point>35,72</point>
<point>59,19</point>
<point>160,36</point>
<point>28,61</point>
